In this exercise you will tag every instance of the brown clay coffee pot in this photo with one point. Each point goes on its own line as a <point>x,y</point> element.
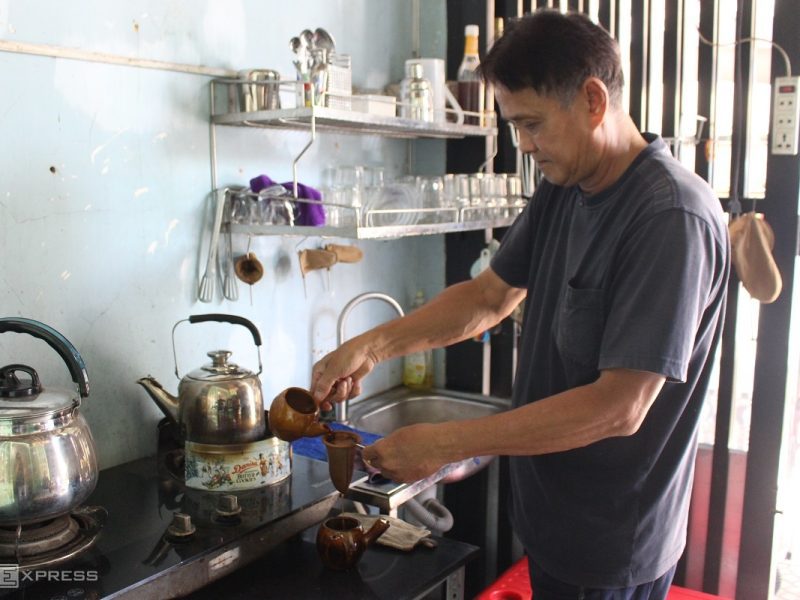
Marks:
<point>341,541</point>
<point>342,447</point>
<point>293,414</point>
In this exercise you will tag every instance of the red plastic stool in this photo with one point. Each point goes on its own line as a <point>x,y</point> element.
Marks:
<point>515,584</point>
<point>679,593</point>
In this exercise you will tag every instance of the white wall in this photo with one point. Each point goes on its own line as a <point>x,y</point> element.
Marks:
<point>104,194</point>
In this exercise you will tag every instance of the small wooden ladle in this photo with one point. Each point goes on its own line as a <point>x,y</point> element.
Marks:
<point>249,269</point>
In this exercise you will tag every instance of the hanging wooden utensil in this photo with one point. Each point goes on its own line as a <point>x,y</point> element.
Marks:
<point>345,254</point>
<point>250,270</point>
<point>312,260</point>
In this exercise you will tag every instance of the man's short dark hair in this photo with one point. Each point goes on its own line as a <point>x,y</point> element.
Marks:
<point>554,54</point>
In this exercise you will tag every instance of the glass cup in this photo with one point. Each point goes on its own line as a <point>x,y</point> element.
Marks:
<point>501,196</point>
<point>488,196</point>
<point>241,208</point>
<point>273,207</point>
<point>342,192</point>
<point>373,183</point>
<point>431,191</point>
<point>475,196</point>
<point>462,203</point>
<point>516,201</point>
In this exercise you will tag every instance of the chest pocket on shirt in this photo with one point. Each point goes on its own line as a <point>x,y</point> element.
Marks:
<point>579,332</point>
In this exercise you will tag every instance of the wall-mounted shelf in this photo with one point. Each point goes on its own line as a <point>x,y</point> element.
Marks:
<point>372,233</point>
<point>348,121</point>
<point>316,118</point>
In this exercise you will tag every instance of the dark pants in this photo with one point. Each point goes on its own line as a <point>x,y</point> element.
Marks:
<point>546,587</point>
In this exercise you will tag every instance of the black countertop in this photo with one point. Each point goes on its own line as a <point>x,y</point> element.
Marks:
<point>133,558</point>
<point>294,570</point>
<point>268,553</point>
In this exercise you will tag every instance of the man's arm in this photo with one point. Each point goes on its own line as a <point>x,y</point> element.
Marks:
<point>458,313</point>
<point>614,405</point>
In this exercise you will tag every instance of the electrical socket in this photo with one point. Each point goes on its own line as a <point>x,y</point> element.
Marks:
<point>785,115</point>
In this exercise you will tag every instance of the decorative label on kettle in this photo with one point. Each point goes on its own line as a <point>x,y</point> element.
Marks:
<point>237,467</point>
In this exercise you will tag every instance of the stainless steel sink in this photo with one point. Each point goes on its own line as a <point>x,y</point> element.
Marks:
<point>401,406</point>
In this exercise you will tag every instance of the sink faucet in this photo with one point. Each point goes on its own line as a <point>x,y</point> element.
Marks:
<point>341,407</point>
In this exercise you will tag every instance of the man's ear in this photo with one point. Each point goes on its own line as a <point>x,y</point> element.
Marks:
<point>595,94</point>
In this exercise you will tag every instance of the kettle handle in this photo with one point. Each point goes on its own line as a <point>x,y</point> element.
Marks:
<point>220,318</point>
<point>233,319</point>
<point>67,352</point>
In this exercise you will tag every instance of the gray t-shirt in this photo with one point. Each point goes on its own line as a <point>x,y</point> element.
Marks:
<point>634,277</point>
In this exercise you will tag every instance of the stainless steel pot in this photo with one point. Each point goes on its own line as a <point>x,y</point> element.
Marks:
<point>48,461</point>
<point>219,403</point>
<point>261,91</point>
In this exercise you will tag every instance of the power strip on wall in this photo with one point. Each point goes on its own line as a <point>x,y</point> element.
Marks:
<point>785,115</point>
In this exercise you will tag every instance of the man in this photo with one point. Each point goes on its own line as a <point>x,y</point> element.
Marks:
<point>623,258</point>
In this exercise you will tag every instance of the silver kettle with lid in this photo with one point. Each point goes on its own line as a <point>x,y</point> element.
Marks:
<point>48,463</point>
<point>218,403</point>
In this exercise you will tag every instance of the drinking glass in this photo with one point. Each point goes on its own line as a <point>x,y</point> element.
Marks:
<point>516,201</point>
<point>475,196</point>
<point>373,183</point>
<point>342,192</point>
<point>501,196</point>
<point>431,191</point>
<point>240,207</point>
<point>461,181</point>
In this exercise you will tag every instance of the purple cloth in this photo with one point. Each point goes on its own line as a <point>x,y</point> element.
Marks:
<point>260,182</point>
<point>308,213</point>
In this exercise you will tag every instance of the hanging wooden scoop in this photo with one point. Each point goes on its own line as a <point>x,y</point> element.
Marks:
<point>312,260</point>
<point>249,269</point>
<point>345,254</point>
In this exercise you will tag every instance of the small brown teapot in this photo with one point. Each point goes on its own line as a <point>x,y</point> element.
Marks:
<point>341,541</point>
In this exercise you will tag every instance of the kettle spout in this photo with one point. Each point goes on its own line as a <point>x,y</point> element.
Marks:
<point>165,401</point>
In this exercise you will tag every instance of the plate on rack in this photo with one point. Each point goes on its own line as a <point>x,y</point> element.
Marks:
<point>392,205</point>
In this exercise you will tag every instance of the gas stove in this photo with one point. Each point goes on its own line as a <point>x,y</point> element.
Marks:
<point>52,542</point>
<point>144,534</point>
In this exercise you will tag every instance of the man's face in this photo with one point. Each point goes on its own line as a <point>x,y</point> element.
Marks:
<point>556,137</point>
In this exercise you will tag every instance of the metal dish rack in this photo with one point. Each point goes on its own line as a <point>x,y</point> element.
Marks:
<point>318,117</point>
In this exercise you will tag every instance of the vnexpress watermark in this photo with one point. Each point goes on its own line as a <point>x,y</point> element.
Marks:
<point>11,576</point>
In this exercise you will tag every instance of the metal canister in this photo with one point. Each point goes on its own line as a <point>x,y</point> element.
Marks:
<point>416,93</point>
<point>259,90</point>
<point>233,467</point>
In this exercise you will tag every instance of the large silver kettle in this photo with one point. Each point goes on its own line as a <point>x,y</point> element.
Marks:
<point>48,462</point>
<point>219,403</point>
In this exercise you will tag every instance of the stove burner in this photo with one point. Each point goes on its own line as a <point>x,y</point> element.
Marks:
<point>54,541</point>
<point>39,537</point>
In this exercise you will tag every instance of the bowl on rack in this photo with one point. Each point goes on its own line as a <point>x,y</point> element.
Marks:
<point>392,205</point>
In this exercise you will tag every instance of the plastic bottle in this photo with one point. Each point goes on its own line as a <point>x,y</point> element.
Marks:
<point>418,366</point>
<point>470,85</point>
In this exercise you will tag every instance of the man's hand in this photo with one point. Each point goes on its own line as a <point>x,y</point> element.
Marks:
<point>408,454</point>
<point>337,376</point>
